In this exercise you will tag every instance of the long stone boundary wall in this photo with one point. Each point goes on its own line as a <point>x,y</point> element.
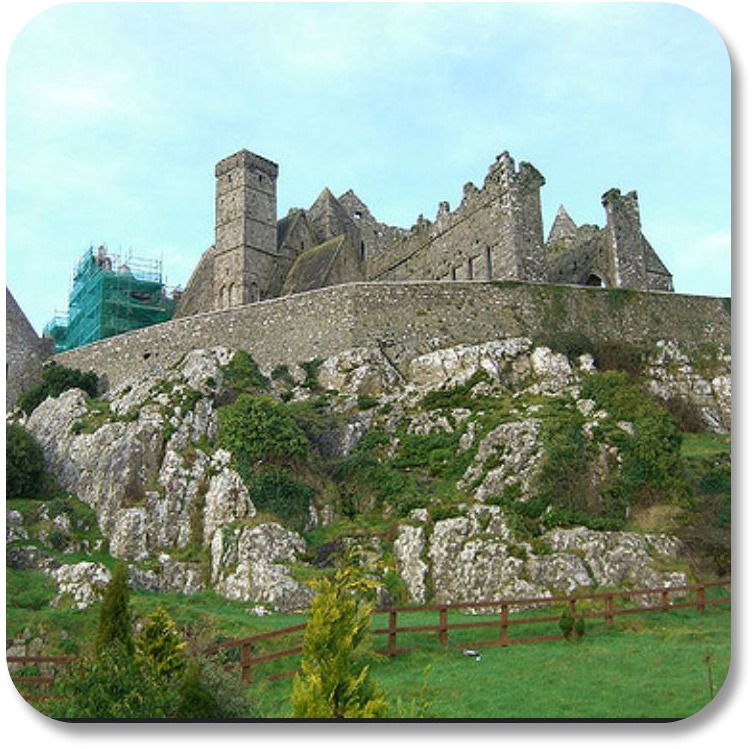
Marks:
<point>409,319</point>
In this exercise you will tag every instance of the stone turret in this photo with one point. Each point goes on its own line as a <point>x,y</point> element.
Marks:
<point>246,257</point>
<point>627,259</point>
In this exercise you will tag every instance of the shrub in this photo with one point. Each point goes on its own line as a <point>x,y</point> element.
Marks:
<point>274,490</point>
<point>56,379</point>
<point>259,429</point>
<point>24,464</point>
<point>651,460</point>
<point>208,692</point>
<point>572,628</point>
<point>113,685</point>
<point>243,375</point>
<point>311,369</point>
<point>331,683</point>
<point>571,343</point>
<point>160,644</point>
<point>619,356</point>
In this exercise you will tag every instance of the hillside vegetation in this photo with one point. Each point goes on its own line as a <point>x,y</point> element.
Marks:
<point>504,469</point>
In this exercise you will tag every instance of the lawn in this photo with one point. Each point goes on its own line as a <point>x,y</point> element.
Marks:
<point>650,666</point>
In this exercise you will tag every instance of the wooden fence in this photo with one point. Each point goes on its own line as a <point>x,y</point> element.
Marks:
<point>528,615</point>
<point>525,613</point>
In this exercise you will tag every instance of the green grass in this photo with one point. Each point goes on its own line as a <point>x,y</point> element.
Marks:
<point>704,445</point>
<point>652,666</point>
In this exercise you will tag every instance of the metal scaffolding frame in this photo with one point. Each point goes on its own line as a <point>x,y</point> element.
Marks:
<point>109,296</point>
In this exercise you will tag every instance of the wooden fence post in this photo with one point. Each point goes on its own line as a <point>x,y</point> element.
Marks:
<point>443,634</point>
<point>700,600</point>
<point>609,610</point>
<point>246,663</point>
<point>392,635</point>
<point>504,638</point>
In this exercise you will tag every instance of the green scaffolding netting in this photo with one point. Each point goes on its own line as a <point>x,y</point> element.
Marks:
<point>108,298</point>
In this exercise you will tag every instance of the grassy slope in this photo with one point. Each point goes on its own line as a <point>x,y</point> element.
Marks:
<point>648,667</point>
<point>655,669</point>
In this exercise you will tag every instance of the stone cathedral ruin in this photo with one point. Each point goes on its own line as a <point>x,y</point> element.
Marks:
<point>318,279</point>
<point>495,233</point>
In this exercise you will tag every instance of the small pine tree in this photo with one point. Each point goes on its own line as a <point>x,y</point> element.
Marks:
<point>566,624</point>
<point>160,644</point>
<point>115,620</point>
<point>330,683</point>
<point>195,701</point>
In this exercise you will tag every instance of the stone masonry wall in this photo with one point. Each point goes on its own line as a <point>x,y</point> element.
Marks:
<point>495,232</point>
<point>25,352</point>
<point>409,319</point>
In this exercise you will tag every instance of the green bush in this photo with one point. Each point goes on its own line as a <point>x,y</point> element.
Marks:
<point>257,429</point>
<point>333,682</point>
<point>618,356</point>
<point>56,379</point>
<point>243,375</point>
<point>208,692</point>
<point>705,527</point>
<point>571,343</point>
<point>274,490</point>
<point>115,617</point>
<point>113,685</point>
<point>651,467</point>
<point>159,643</point>
<point>24,464</point>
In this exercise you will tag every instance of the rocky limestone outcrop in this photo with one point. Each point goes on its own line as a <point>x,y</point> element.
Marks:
<point>672,373</point>
<point>475,557</point>
<point>152,495</point>
<point>147,466</point>
<point>80,585</point>
<point>250,564</point>
<point>514,452</point>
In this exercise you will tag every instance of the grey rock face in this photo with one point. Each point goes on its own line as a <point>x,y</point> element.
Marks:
<point>474,557</point>
<point>14,527</point>
<point>514,451</point>
<point>360,371</point>
<point>249,564</point>
<point>409,547</point>
<point>168,575</point>
<point>82,584</point>
<point>672,374</point>
<point>620,559</point>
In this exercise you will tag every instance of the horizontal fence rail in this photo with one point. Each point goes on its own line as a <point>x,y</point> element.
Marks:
<point>498,617</point>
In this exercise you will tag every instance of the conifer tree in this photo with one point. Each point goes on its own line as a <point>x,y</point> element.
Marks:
<point>160,644</point>
<point>115,620</point>
<point>332,683</point>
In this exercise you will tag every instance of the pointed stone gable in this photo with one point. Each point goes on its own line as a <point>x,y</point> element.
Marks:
<point>562,227</point>
<point>328,218</point>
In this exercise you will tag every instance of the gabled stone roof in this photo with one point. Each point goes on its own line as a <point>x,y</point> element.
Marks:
<point>312,268</point>
<point>563,226</point>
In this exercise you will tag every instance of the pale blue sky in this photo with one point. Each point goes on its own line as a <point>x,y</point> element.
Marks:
<point>117,113</point>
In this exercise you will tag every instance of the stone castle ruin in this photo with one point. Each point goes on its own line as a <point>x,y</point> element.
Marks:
<point>321,279</point>
<point>496,233</point>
